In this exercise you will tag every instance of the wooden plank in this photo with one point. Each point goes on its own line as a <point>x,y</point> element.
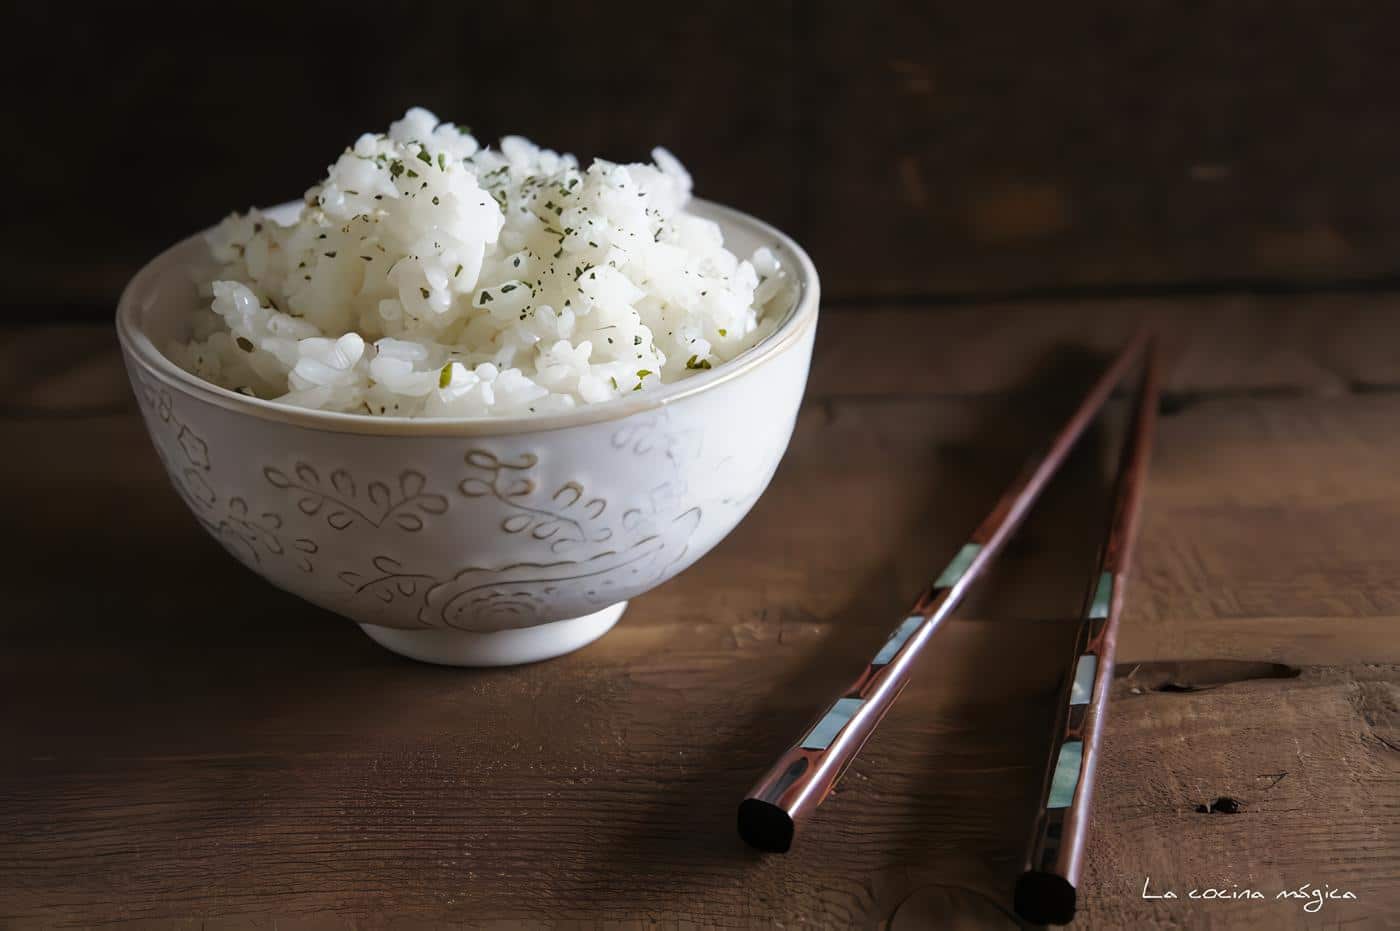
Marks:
<point>997,151</point>
<point>188,133</point>
<point>1290,640</point>
<point>1312,764</point>
<point>1004,149</point>
<point>1325,344</point>
<point>193,743</point>
<point>1315,344</point>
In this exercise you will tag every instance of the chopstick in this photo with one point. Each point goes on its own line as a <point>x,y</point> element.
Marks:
<point>1047,891</point>
<point>804,775</point>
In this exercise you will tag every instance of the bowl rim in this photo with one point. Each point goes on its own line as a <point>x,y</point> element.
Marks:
<point>139,348</point>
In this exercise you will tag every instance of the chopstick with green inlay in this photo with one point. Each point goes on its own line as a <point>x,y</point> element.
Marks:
<point>1047,891</point>
<point>803,777</point>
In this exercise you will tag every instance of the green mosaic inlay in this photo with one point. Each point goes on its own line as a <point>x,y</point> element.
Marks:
<point>1103,596</point>
<point>1083,688</point>
<point>897,639</point>
<point>958,566</point>
<point>821,736</point>
<point>1066,774</point>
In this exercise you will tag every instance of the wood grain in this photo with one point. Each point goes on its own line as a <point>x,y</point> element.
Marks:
<point>1289,345</point>
<point>996,149</point>
<point>1313,765</point>
<point>207,126</point>
<point>185,744</point>
<point>1005,147</point>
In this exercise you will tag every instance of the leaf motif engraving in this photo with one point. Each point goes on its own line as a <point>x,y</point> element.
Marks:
<point>344,503</point>
<point>379,494</point>
<point>343,483</point>
<point>390,585</point>
<point>565,520</point>
<point>249,536</point>
<point>575,546</point>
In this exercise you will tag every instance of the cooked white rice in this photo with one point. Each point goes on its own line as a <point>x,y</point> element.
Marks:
<point>426,276</point>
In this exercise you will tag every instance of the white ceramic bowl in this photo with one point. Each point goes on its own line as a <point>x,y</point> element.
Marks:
<point>476,542</point>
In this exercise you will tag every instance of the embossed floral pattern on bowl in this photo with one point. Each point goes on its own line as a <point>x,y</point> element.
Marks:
<point>481,538</point>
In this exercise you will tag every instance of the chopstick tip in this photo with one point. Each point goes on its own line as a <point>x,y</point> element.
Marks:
<point>1044,898</point>
<point>765,826</point>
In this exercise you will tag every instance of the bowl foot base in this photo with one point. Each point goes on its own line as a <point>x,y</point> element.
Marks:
<point>502,648</point>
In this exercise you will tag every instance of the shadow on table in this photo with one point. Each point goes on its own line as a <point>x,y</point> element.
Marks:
<point>185,692</point>
<point>960,810</point>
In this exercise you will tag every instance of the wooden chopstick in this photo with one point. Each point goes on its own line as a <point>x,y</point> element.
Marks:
<point>804,775</point>
<point>1046,891</point>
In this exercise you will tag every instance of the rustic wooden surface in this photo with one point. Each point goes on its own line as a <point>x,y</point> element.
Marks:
<point>969,150</point>
<point>186,746</point>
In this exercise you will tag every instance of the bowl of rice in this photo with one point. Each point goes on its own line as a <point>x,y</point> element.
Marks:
<point>473,399</point>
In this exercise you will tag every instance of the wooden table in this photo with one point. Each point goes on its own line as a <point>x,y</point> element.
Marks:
<point>185,745</point>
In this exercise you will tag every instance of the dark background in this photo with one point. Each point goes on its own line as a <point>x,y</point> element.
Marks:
<point>180,742</point>
<point>922,152</point>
